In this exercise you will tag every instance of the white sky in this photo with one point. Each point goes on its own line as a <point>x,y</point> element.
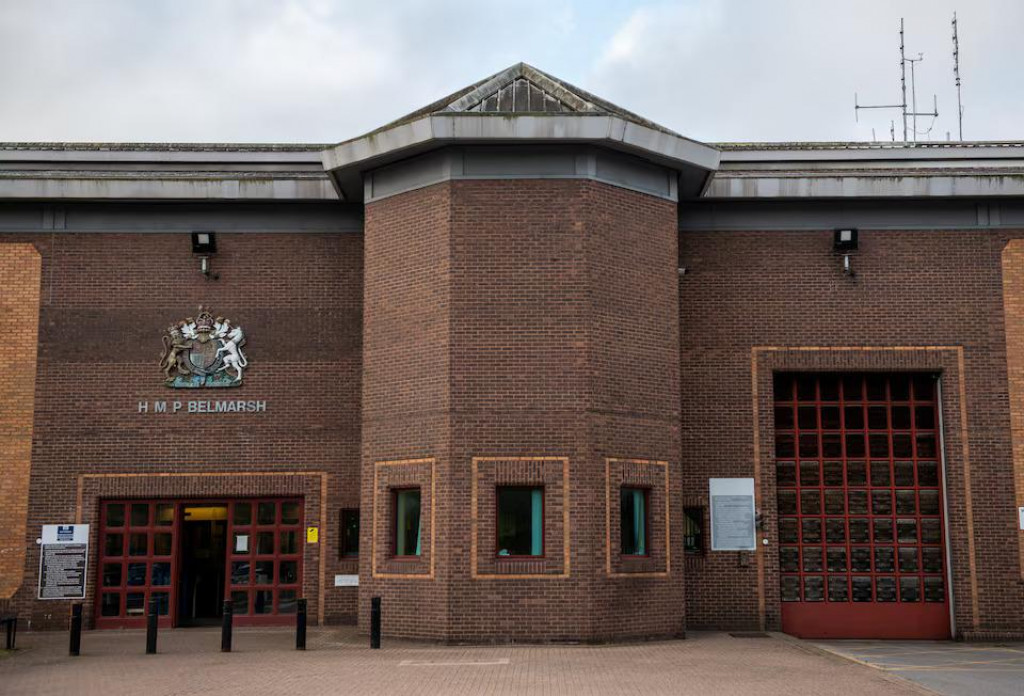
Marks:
<point>328,70</point>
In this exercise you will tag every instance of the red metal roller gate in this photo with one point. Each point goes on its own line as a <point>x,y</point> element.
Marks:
<point>861,536</point>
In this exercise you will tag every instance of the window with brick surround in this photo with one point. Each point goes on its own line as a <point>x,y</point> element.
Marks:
<point>348,537</point>
<point>520,521</point>
<point>633,522</point>
<point>405,522</point>
<point>693,529</point>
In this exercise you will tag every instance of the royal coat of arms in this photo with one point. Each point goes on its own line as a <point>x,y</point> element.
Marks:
<point>203,352</point>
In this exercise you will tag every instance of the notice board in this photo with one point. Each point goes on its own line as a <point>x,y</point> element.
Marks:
<point>733,523</point>
<point>63,561</point>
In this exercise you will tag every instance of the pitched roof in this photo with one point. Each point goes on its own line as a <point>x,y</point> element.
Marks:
<point>523,89</point>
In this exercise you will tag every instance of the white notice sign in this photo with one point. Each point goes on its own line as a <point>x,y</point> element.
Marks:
<point>63,557</point>
<point>732,514</point>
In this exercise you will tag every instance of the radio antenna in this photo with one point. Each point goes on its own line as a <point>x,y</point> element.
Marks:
<point>913,113</point>
<point>956,74</point>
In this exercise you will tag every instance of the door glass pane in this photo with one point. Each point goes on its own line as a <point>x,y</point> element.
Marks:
<point>264,572</point>
<point>161,574</point>
<point>289,513</point>
<point>240,572</point>
<point>136,574</point>
<point>289,542</point>
<point>263,601</point>
<point>110,605</point>
<point>288,572</point>
<point>165,514</point>
<point>138,544</point>
<point>287,601</point>
<point>265,543</point>
<point>162,544</point>
<point>240,601</point>
<point>115,514</point>
<point>135,604</point>
<point>163,604</point>
<point>140,514</point>
<point>113,544</point>
<point>243,514</point>
<point>267,513</point>
<point>111,574</point>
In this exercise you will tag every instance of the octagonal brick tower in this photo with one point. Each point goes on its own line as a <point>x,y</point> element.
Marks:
<point>521,329</point>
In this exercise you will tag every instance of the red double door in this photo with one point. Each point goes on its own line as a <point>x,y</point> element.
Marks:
<point>191,556</point>
<point>860,506</point>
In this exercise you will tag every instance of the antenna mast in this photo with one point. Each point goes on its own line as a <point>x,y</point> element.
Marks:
<point>902,106</point>
<point>956,74</point>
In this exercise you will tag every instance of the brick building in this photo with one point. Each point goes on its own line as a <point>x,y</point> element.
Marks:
<point>527,366</point>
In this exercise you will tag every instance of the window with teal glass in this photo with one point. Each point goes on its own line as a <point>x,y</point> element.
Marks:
<point>406,540</point>
<point>633,521</point>
<point>520,521</point>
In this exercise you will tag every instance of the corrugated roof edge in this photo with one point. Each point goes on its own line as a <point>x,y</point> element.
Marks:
<point>854,145</point>
<point>165,147</point>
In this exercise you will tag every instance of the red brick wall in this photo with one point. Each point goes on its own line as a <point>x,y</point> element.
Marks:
<point>920,300</point>
<point>106,300</point>
<point>19,325</point>
<point>511,326</point>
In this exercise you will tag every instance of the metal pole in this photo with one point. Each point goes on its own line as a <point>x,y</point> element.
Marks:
<point>300,626</point>
<point>151,621</point>
<point>75,647</point>
<point>375,623</point>
<point>225,626</point>
<point>903,81</point>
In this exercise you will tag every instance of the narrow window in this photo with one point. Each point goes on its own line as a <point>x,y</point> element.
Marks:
<point>693,529</point>
<point>520,521</point>
<point>349,535</point>
<point>633,521</point>
<point>406,539</point>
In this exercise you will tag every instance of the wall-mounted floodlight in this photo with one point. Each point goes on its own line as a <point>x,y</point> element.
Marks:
<point>204,243</point>
<point>845,239</point>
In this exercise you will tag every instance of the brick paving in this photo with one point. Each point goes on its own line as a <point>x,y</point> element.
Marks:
<point>339,662</point>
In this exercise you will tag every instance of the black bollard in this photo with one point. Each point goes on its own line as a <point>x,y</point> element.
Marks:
<point>12,632</point>
<point>75,648</point>
<point>375,623</point>
<point>300,626</point>
<point>225,626</point>
<point>151,619</point>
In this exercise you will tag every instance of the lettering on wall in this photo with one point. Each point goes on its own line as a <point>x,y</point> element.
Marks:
<point>197,406</point>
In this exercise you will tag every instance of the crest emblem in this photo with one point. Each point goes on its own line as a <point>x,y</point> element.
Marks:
<point>203,352</point>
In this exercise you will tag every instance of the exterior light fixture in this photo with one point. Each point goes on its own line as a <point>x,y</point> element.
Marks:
<point>205,244</point>
<point>845,240</point>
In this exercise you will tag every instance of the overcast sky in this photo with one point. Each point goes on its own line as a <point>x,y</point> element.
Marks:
<point>328,70</point>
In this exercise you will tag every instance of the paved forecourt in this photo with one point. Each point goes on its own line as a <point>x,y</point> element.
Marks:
<point>952,669</point>
<point>338,661</point>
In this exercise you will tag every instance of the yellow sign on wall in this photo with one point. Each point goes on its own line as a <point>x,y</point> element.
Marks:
<point>312,535</point>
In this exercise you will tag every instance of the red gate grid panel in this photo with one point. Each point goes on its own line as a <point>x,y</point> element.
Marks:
<point>861,538</point>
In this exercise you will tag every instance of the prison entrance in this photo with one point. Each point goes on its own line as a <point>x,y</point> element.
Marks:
<point>192,556</point>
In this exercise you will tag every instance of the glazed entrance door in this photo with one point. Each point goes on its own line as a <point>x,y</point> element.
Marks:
<point>136,562</point>
<point>265,560</point>
<point>861,537</point>
<point>191,556</point>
